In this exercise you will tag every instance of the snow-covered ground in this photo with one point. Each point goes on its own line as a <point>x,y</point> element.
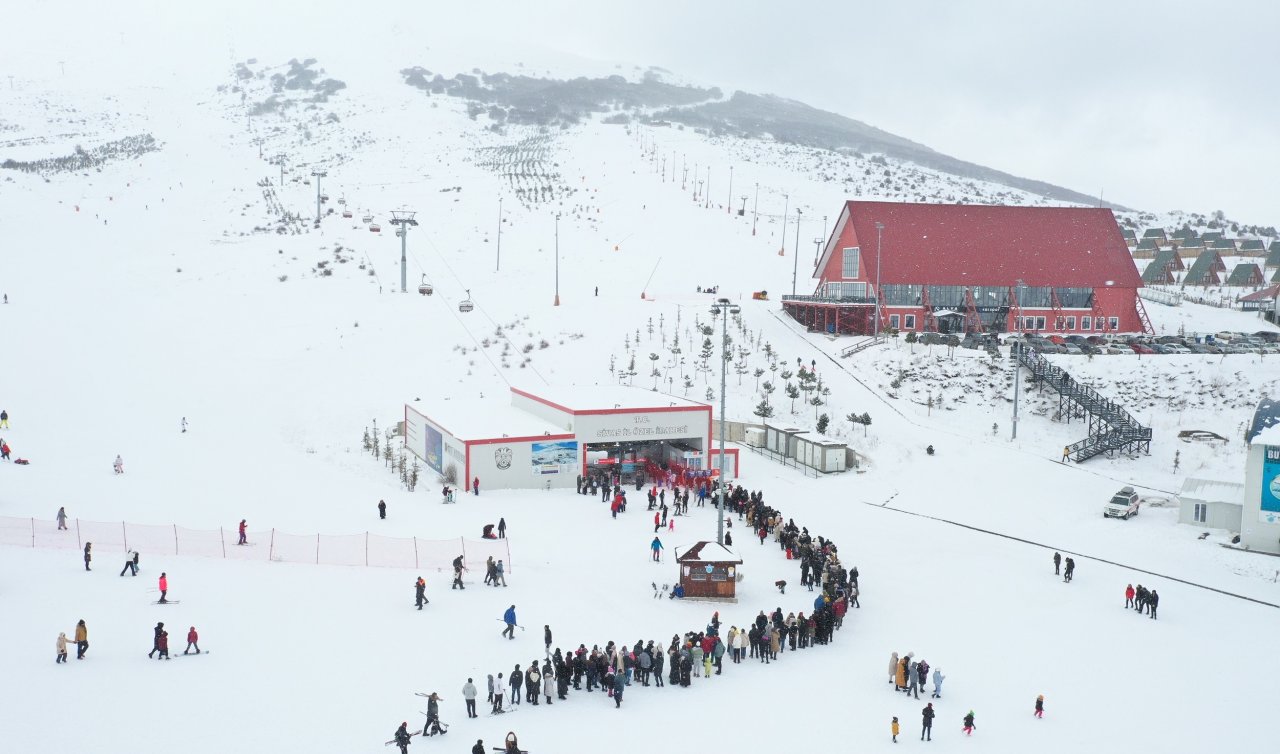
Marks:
<point>157,287</point>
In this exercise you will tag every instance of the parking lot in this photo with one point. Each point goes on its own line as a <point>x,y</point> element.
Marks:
<point>1261,342</point>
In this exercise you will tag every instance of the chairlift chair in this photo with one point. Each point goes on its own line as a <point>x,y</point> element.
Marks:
<point>375,228</point>
<point>425,287</point>
<point>367,218</point>
<point>466,304</point>
<point>346,213</point>
<point>324,197</point>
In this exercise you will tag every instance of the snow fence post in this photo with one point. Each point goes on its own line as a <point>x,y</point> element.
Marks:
<point>415,551</point>
<point>78,542</point>
<point>462,541</point>
<point>125,532</point>
<point>222,537</point>
<point>508,541</point>
<point>366,549</point>
<point>317,548</point>
<point>271,549</point>
<point>33,532</point>
<point>175,539</point>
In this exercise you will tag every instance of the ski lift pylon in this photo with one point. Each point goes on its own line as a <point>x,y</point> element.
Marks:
<point>466,304</point>
<point>425,287</point>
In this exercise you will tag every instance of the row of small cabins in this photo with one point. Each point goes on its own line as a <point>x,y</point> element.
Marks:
<point>1206,268</point>
<point>1191,244</point>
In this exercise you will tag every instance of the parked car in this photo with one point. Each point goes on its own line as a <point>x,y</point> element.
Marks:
<point>1270,336</point>
<point>1198,348</point>
<point>1140,348</point>
<point>1176,348</point>
<point>1056,339</point>
<point>1071,349</point>
<point>1225,336</point>
<point>1117,350</point>
<point>1123,504</point>
<point>1159,348</point>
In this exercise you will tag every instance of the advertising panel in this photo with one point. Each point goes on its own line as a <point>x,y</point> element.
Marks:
<point>555,457</point>
<point>1269,513</point>
<point>434,453</point>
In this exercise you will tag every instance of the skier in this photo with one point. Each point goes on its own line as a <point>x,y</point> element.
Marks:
<point>118,465</point>
<point>402,738</point>
<point>502,522</point>
<point>244,525</point>
<point>130,562</point>
<point>433,715</point>
<point>499,695</point>
<point>1057,561</point>
<point>926,732</point>
<point>893,728</point>
<point>420,592</point>
<point>193,640</point>
<point>1153,601</point>
<point>1040,706</point>
<point>1069,571</point>
<point>458,568</point>
<point>62,518</point>
<point>546,637</point>
<point>938,678</point>
<point>163,583</point>
<point>656,546</point>
<point>82,639</point>
<point>62,647</point>
<point>968,724</point>
<point>88,554</point>
<point>469,696</point>
<point>155,641</point>
<point>475,486</point>
<point>1128,596</point>
<point>382,509</point>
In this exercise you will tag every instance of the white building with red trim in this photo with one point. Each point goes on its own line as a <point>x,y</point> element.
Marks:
<point>547,437</point>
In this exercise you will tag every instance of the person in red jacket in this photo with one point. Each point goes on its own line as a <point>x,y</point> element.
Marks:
<point>164,588</point>
<point>192,639</point>
<point>1128,596</point>
<point>243,527</point>
<point>475,486</point>
<point>162,643</point>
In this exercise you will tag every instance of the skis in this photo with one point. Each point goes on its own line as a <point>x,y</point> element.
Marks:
<point>503,711</point>
<point>411,735</point>
<point>167,602</point>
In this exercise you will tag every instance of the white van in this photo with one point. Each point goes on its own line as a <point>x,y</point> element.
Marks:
<point>1123,504</point>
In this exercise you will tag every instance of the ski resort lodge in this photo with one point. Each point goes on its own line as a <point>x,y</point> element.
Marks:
<point>546,438</point>
<point>962,268</point>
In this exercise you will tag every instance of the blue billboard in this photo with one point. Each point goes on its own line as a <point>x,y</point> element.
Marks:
<point>1270,510</point>
<point>434,453</point>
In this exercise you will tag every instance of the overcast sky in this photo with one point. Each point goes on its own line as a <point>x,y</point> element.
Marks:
<point>1159,105</point>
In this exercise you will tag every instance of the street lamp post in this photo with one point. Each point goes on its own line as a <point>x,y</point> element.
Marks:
<point>795,263</point>
<point>755,209</point>
<point>403,219</point>
<point>725,308</point>
<point>786,207</point>
<point>498,262</point>
<point>1014,351</point>
<point>557,303</point>
<point>879,237</point>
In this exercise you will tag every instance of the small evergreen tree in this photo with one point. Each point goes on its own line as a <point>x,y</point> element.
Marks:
<point>823,421</point>
<point>763,410</point>
<point>758,373</point>
<point>792,392</point>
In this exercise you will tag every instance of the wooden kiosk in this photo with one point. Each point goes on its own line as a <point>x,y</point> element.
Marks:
<point>709,571</point>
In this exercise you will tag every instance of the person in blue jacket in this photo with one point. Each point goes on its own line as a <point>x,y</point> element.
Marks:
<point>619,683</point>
<point>656,546</point>
<point>509,617</point>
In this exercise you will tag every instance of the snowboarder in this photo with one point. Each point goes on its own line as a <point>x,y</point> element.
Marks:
<point>155,640</point>
<point>893,728</point>
<point>118,465</point>
<point>402,738</point>
<point>458,568</point>
<point>244,525</point>
<point>130,562</point>
<point>88,554</point>
<point>1040,706</point>
<point>184,425</point>
<point>502,522</point>
<point>82,639</point>
<point>420,592</point>
<point>1128,596</point>
<point>938,678</point>
<point>163,583</point>
<point>1069,571</point>
<point>62,518</point>
<point>382,509</point>
<point>1153,601</point>
<point>509,617</point>
<point>926,732</point>
<point>469,696</point>
<point>969,727</point>
<point>1057,561</point>
<point>656,546</point>
<point>193,640</point>
<point>62,647</point>
<point>475,486</point>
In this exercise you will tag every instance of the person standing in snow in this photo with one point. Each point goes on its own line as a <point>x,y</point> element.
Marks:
<point>163,583</point>
<point>420,592</point>
<point>502,522</point>
<point>532,683</point>
<point>469,696</point>
<point>433,713</point>
<point>88,554</point>
<point>1057,561</point>
<point>184,425</point>
<point>546,638</point>
<point>969,727</point>
<point>193,640</point>
<point>62,647</point>
<point>619,683</point>
<point>402,737</point>
<point>118,465</point>
<point>1153,601</point>
<point>517,681</point>
<point>512,746</point>
<point>893,728</point>
<point>475,486</point>
<point>500,574</point>
<point>893,667</point>
<point>479,747</point>
<point>4,414</point>
<point>1040,706</point>
<point>382,509</point>
<point>499,695</point>
<point>62,518</point>
<point>1069,571</point>
<point>162,644</point>
<point>130,562</point>
<point>244,525</point>
<point>155,640</point>
<point>1128,596</point>
<point>913,679</point>
<point>458,568</point>
<point>938,678</point>
<point>82,639</point>
<point>926,714</point>
<point>548,681</point>
<point>656,546</point>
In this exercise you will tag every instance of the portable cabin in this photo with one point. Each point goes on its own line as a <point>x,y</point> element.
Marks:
<point>709,571</point>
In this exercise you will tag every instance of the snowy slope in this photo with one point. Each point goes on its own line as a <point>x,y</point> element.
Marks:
<point>158,287</point>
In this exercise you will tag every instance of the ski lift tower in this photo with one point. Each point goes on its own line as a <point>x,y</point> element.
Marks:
<point>402,219</point>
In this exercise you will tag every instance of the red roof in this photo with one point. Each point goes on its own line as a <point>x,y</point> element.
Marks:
<point>1266,294</point>
<point>969,244</point>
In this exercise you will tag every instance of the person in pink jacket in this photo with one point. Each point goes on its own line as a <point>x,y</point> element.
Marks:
<point>164,587</point>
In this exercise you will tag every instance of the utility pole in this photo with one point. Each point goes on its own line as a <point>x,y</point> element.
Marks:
<point>879,236</point>
<point>498,264</point>
<point>1015,352</point>
<point>403,219</point>
<point>755,209</point>
<point>318,174</point>
<point>817,250</point>
<point>795,264</point>
<point>557,303</point>
<point>728,206</point>
<point>725,308</point>
<point>786,207</point>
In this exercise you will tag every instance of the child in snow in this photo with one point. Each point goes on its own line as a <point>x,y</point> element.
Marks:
<point>893,727</point>
<point>1040,706</point>
<point>193,639</point>
<point>968,724</point>
<point>118,465</point>
<point>62,647</point>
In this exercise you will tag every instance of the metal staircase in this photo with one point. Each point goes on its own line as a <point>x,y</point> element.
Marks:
<point>930,321</point>
<point>1147,329</point>
<point>1059,319</point>
<point>972,322</point>
<point>1111,428</point>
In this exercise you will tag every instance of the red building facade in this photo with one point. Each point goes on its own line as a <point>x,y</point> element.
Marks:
<point>973,268</point>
